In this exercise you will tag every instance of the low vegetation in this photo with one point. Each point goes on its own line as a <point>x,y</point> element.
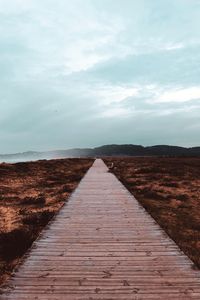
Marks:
<point>30,195</point>
<point>169,189</point>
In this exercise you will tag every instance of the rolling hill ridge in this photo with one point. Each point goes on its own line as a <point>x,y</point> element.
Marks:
<point>106,150</point>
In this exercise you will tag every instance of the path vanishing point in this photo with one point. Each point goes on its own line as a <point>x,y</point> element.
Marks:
<point>103,245</point>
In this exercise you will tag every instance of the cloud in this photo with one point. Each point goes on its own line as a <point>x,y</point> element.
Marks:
<point>82,73</point>
<point>179,95</point>
<point>108,94</point>
<point>171,47</point>
<point>119,112</point>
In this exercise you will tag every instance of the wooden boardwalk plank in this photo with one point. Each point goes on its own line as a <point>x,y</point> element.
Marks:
<point>103,246</point>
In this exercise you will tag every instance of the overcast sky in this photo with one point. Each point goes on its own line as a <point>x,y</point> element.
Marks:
<point>82,73</point>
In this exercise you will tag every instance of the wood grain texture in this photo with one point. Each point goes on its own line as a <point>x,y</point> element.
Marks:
<point>103,245</point>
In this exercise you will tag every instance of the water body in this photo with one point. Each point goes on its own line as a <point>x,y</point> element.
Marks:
<point>16,160</point>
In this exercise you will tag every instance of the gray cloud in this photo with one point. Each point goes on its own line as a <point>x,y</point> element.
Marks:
<point>86,73</point>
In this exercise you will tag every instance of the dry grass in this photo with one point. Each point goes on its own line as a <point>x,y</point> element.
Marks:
<point>30,195</point>
<point>169,189</point>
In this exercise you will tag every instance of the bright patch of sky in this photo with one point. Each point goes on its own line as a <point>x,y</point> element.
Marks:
<point>84,73</point>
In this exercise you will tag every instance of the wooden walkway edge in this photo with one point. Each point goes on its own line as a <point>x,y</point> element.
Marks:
<point>103,245</point>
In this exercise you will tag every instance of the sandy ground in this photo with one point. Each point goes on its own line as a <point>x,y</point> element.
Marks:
<point>30,194</point>
<point>169,189</point>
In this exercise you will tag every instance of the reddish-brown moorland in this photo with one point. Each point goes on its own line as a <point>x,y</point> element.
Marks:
<point>30,194</point>
<point>169,189</point>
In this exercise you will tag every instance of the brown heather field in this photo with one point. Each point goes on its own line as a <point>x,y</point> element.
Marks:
<point>30,195</point>
<point>169,189</point>
<point>32,192</point>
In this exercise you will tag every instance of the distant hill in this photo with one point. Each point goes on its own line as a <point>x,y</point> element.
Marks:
<point>137,150</point>
<point>106,150</point>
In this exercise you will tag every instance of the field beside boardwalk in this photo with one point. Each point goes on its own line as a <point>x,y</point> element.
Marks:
<point>30,195</point>
<point>169,189</point>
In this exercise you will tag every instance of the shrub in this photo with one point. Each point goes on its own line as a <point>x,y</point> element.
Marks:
<point>15,243</point>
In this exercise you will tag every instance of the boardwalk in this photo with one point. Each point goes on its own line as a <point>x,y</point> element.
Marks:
<point>103,245</point>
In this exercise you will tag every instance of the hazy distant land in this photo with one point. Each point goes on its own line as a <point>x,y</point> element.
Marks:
<point>106,150</point>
